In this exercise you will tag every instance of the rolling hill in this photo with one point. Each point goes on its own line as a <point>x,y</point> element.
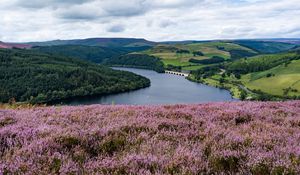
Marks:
<point>266,47</point>
<point>262,77</point>
<point>181,54</point>
<point>285,40</point>
<point>104,42</point>
<point>282,80</point>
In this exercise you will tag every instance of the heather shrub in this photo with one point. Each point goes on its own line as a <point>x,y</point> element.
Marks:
<point>215,138</point>
<point>261,168</point>
<point>225,164</point>
<point>6,121</point>
<point>242,119</point>
<point>55,165</point>
<point>68,142</point>
<point>113,143</point>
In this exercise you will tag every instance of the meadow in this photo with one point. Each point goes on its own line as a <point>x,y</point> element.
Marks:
<point>215,138</point>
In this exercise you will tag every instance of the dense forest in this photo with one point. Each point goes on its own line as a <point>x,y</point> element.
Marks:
<point>29,76</point>
<point>205,72</point>
<point>96,54</point>
<point>238,54</point>
<point>137,60</point>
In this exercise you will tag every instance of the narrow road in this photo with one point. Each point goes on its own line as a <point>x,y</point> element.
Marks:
<point>245,89</point>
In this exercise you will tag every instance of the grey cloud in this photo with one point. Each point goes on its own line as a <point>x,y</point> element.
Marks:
<point>78,16</point>
<point>166,23</point>
<point>125,12</point>
<point>121,8</point>
<point>125,8</point>
<point>174,3</point>
<point>116,29</point>
<point>103,9</point>
<point>153,19</point>
<point>49,3</point>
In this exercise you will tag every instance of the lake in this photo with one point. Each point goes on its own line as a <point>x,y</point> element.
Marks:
<point>164,89</point>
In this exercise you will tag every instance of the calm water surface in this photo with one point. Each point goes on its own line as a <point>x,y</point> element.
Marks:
<point>164,89</point>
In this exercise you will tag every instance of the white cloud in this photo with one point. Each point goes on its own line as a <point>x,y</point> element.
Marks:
<point>31,20</point>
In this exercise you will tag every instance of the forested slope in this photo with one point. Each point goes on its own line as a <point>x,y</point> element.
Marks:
<point>29,76</point>
<point>137,60</point>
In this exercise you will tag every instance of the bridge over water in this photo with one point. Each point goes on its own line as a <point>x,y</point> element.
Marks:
<point>177,73</point>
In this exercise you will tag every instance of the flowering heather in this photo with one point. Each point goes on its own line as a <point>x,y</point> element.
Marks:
<point>219,138</point>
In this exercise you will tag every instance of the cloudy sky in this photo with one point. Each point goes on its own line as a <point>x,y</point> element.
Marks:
<point>157,20</point>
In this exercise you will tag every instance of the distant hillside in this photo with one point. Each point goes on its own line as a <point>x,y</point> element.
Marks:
<point>95,54</point>
<point>104,42</point>
<point>186,55</point>
<point>12,45</point>
<point>30,76</point>
<point>266,46</point>
<point>90,53</point>
<point>285,40</point>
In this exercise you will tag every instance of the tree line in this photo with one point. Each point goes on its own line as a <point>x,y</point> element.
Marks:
<point>137,60</point>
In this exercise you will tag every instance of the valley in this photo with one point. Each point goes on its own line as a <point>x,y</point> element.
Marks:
<point>165,89</point>
<point>249,69</point>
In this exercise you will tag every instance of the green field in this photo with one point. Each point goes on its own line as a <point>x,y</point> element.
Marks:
<point>284,77</point>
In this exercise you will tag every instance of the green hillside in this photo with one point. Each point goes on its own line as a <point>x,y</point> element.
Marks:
<point>283,80</point>
<point>260,63</point>
<point>181,54</point>
<point>263,77</point>
<point>30,76</point>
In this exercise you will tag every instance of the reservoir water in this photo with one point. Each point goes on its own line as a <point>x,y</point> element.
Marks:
<point>164,89</point>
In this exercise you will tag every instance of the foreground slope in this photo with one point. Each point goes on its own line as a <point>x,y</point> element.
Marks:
<point>231,138</point>
<point>29,76</point>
